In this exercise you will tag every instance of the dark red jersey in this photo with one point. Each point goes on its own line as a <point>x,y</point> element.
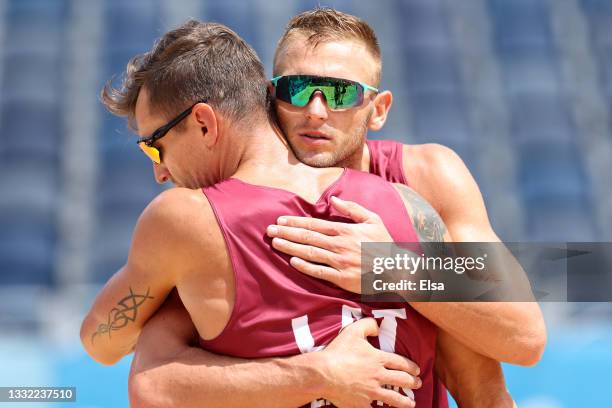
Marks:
<point>386,160</point>
<point>279,311</point>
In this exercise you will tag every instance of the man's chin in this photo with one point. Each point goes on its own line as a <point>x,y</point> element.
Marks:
<point>319,160</point>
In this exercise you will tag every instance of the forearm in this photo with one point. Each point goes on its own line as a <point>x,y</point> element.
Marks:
<point>512,332</point>
<point>472,379</point>
<point>103,343</point>
<point>197,378</point>
<point>107,332</point>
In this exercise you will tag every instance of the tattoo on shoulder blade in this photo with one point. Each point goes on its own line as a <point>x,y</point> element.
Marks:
<point>126,311</point>
<point>426,221</point>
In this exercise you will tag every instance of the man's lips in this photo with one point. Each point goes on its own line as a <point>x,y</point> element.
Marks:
<point>314,135</point>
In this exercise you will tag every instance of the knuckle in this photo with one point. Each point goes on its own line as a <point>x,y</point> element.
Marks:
<point>336,228</point>
<point>339,261</point>
<point>309,224</point>
<point>333,246</point>
<point>408,381</point>
<point>310,252</point>
<point>380,375</point>
<point>378,394</point>
<point>412,367</point>
<point>344,229</point>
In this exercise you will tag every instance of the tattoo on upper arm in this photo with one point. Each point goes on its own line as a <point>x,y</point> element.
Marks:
<point>426,221</point>
<point>126,311</point>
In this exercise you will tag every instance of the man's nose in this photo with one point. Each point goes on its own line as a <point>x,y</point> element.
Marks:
<point>316,109</point>
<point>161,173</point>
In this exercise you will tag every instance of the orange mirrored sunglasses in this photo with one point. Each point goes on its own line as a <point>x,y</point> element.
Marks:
<point>146,143</point>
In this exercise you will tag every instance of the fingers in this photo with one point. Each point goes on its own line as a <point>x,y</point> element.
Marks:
<point>397,362</point>
<point>364,328</point>
<point>354,211</point>
<point>313,224</point>
<point>395,399</point>
<point>316,271</point>
<point>301,236</point>
<point>306,252</point>
<point>401,379</point>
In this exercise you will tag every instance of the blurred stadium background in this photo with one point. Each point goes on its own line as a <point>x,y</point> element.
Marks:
<point>521,89</point>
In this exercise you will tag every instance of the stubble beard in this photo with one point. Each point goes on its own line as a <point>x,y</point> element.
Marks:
<point>345,156</point>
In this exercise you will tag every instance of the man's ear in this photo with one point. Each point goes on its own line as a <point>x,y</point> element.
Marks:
<point>382,103</point>
<point>206,120</point>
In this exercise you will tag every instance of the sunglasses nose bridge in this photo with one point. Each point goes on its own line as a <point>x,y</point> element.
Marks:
<point>317,105</point>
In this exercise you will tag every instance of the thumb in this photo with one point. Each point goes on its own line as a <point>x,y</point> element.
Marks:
<point>364,327</point>
<point>353,210</point>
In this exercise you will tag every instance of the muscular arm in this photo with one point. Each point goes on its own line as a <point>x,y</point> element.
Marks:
<point>473,379</point>
<point>506,331</point>
<point>169,370</point>
<point>180,374</point>
<point>159,249</point>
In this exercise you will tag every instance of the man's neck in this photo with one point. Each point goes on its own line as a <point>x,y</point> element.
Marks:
<point>360,160</point>
<point>265,151</point>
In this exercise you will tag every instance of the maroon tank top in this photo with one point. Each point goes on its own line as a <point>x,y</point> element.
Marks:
<point>279,311</point>
<point>386,160</point>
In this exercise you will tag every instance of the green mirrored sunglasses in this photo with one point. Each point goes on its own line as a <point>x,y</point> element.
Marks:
<point>339,93</point>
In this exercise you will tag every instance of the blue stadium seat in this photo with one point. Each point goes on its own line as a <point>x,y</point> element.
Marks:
<point>32,184</point>
<point>27,248</point>
<point>540,117</point>
<point>551,169</point>
<point>31,129</point>
<point>440,116</point>
<point>559,218</point>
<point>35,26</point>
<point>429,69</point>
<point>599,7</point>
<point>112,239</point>
<point>32,77</point>
<point>528,70</point>
<point>520,23</point>
<point>131,24</point>
<point>599,16</point>
<point>423,23</point>
<point>237,15</point>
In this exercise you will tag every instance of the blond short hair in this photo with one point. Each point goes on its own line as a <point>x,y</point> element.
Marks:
<point>323,25</point>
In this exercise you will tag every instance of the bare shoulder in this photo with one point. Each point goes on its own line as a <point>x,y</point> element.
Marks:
<point>175,223</point>
<point>177,204</point>
<point>434,163</point>
<point>440,176</point>
<point>178,211</point>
